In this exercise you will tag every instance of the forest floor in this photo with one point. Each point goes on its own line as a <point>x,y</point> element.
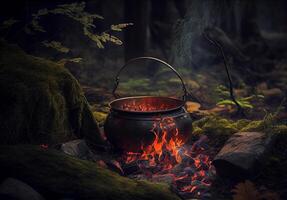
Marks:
<point>219,122</point>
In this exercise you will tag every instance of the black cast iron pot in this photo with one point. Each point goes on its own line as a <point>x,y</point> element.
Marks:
<point>131,119</point>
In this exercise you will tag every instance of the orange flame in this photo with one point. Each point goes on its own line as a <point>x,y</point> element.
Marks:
<point>166,140</point>
<point>167,151</point>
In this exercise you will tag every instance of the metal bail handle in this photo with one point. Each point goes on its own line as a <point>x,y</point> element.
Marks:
<point>117,79</point>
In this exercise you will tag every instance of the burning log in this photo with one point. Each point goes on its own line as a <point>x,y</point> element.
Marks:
<point>242,154</point>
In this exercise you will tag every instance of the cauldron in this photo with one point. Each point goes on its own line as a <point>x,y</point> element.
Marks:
<point>129,123</point>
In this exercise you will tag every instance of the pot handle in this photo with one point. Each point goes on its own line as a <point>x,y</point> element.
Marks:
<point>117,79</point>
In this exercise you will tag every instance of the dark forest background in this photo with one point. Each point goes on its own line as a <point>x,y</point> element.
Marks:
<point>251,33</point>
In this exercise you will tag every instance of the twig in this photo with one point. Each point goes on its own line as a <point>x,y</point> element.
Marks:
<point>231,92</point>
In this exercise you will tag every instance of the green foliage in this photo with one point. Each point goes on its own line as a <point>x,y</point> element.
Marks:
<point>64,60</point>
<point>120,27</point>
<point>244,102</point>
<point>56,45</point>
<point>8,23</point>
<point>102,38</point>
<point>76,11</point>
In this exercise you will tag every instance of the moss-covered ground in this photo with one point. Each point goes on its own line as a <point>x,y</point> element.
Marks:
<point>56,175</point>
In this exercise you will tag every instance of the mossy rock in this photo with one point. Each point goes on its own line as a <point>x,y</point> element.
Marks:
<point>220,129</point>
<point>41,102</point>
<point>56,175</point>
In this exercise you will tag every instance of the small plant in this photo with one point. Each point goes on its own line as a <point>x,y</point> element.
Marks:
<point>244,102</point>
<point>231,91</point>
<point>76,11</point>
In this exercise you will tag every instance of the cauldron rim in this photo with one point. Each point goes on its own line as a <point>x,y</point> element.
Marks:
<point>178,104</point>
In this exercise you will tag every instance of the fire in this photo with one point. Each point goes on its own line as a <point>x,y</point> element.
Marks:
<point>166,140</point>
<point>169,152</point>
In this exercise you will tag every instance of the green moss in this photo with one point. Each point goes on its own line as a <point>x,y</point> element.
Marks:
<point>253,126</point>
<point>268,124</point>
<point>220,129</point>
<point>100,117</point>
<point>41,102</point>
<point>57,175</point>
<point>214,125</point>
<point>197,131</point>
<point>280,129</point>
<point>219,126</point>
<point>242,123</point>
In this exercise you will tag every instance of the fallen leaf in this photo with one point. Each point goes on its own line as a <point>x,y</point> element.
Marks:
<point>245,191</point>
<point>192,106</point>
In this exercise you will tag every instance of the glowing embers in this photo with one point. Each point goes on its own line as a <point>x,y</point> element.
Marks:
<point>168,159</point>
<point>147,104</point>
<point>144,107</point>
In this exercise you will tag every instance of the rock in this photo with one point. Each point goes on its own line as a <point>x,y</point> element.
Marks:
<point>242,154</point>
<point>15,189</point>
<point>80,149</point>
<point>273,92</point>
<point>62,176</point>
<point>262,86</point>
<point>269,93</point>
<point>41,102</point>
<point>77,148</point>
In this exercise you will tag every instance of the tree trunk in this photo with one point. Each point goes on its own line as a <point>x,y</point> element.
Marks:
<point>136,38</point>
